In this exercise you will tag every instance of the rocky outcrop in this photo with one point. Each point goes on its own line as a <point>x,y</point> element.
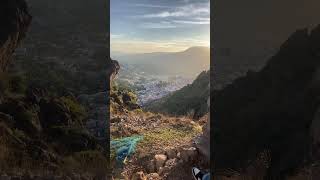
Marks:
<point>272,109</point>
<point>15,19</point>
<point>42,131</point>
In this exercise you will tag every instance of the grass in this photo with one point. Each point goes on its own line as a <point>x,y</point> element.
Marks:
<point>169,136</point>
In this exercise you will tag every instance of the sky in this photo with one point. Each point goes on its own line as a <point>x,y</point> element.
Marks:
<point>145,26</point>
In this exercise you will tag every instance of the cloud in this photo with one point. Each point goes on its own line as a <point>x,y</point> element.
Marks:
<point>150,6</point>
<point>192,22</point>
<point>116,36</point>
<point>161,25</point>
<point>183,11</point>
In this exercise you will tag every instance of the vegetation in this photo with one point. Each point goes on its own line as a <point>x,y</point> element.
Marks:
<point>190,100</point>
<point>77,111</point>
<point>122,98</point>
<point>167,136</point>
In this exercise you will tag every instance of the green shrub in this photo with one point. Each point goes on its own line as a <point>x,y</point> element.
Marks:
<point>78,112</point>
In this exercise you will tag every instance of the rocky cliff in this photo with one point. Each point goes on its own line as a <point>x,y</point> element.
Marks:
<point>15,20</point>
<point>272,109</point>
<point>42,131</point>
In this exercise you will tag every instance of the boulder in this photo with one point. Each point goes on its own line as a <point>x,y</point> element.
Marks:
<point>188,154</point>
<point>171,163</point>
<point>160,160</point>
<point>153,176</point>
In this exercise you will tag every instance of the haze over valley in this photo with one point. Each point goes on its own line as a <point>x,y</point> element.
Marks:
<point>155,75</point>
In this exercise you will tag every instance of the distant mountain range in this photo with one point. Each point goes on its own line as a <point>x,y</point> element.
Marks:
<point>189,62</point>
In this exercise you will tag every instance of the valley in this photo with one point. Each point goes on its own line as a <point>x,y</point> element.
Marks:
<point>149,86</point>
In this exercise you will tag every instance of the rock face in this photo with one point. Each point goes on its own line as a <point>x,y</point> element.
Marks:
<point>270,110</point>
<point>15,20</point>
<point>40,131</point>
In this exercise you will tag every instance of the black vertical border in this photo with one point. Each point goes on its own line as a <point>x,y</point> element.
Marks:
<point>108,138</point>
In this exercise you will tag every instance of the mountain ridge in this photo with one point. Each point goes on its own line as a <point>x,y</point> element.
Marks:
<point>188,62</point>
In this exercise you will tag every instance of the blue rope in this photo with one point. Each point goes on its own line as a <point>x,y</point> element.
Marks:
<point>125,147</point>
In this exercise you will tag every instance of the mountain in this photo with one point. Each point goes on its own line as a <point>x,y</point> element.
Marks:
<point>42,130</point>
<point>188,62</point>
<point>247,44</point>
<point>15,20</point>
<point>190,100</point>
<point>66,48</point>
<point>274,110</point>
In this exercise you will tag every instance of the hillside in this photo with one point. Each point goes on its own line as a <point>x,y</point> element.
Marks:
<point>271,112</point>
<point>42,123</point>
<point>188,62</point>
<point>190,100</point>
<point>60,51</point>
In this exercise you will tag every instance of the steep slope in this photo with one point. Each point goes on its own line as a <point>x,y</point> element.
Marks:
<point>41,131</point>
<point>272,109</point>
<point>190,100</point>
<point>15,20</point>
<point>246,38</point>
<point>66,48</point>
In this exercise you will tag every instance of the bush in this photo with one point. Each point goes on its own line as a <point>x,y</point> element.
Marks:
<point>77,111</point>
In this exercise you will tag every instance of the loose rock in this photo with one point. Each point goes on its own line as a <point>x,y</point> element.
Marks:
<point>160,159</point>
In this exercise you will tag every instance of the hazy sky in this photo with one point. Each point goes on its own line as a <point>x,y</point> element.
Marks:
<point>142,26</point>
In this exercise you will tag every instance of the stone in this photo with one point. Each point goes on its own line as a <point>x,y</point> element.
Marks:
<point>171,153</point>
<point>160,159</point>
<point>153,176</point>
<point>188,154</point>
<point>164,170</point>
<point>179,155</point>
<point>139,176</point>
<point>171,162</point>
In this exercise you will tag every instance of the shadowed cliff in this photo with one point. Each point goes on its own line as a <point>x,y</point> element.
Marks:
<point>15,20</point>
<point>41,131</point>
<point>272,110</point>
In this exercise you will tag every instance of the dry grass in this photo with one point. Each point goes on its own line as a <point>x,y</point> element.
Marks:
<point>168,137</point>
